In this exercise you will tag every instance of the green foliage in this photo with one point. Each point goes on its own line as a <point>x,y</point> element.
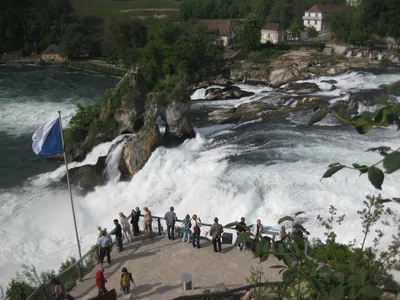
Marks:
<point>295,31</point>
<point>251,35</point>
<point>359,25</point>
<point>33,25</point>
<point>336,271</point>
<point>312,33</point>
<point>122,38</point>
<point>177,50</point>
<point>386,116</point>
<point>25,282</point>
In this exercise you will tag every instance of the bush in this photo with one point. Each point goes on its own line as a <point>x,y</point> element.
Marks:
<point>331,251</point>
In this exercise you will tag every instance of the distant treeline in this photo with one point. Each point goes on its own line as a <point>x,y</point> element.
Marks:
<point>360,25</point>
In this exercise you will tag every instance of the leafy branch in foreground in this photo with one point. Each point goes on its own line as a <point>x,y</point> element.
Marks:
<point>363,123</point>
<point>331,270</point>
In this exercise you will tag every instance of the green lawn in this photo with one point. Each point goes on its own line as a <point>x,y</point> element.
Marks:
<point>106,8</point>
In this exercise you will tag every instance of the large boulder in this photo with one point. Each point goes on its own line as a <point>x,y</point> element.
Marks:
<point>289,68</point>
<point>177,125</point>
<point>230,92</point>
<point>301,88</point>
<point>138,150</point>
<point>245,111</point>
<point>87,177</point>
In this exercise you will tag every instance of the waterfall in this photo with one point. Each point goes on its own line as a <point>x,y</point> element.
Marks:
<point>113,158</point>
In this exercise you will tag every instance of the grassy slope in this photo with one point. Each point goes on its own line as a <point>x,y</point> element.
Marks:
<point>106,8</point>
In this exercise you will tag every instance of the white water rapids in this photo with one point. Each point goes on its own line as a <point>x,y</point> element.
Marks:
<point>256,169</point>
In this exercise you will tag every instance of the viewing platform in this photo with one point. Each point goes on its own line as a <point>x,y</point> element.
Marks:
<point>157,266</point>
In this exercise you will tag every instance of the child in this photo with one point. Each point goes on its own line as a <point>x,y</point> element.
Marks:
<point>125,281</point>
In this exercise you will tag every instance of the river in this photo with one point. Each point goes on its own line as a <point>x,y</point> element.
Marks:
<point>266,168</point>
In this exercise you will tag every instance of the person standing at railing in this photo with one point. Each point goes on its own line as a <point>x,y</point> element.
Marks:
<point>257,231</point>
<point>105,248</point>
<point>241,228</point>
<point>135,215</point>
<point>216,231</point>
<point>187,225</point>
<point>125,227</point>
<point>196,231</point>
<point>148,223</point>
<point>170,219</point>
<point>101,281</point>
<point>59,291</point>
<point>118,234</point>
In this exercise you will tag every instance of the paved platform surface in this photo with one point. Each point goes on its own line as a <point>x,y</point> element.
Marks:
<point>157,266</point>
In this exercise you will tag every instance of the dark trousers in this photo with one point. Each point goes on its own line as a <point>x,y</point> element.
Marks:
<point>215,242</point>
<point>101,291</point>
<point>119,242</point>
<point>171,235</point>
<point>135,228</point>
<point>196,240</point>
<point>103,252</point>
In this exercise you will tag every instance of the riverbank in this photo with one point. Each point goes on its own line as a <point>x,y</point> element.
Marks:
<point>97,66</point>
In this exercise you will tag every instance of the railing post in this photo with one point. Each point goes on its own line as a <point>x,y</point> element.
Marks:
<point>44,292</point>
<point>159,226</point>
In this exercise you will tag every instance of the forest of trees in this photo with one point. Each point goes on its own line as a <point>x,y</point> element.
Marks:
<point>359,25</point>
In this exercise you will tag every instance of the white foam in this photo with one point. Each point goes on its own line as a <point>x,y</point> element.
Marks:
<point>352,81</point>
<point>200,94</point>
<point>34,114</point>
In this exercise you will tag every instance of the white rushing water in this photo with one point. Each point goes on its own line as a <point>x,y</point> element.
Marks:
<point>210,176</point>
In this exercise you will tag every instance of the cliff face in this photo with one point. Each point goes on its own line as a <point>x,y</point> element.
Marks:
<point>129,108</point>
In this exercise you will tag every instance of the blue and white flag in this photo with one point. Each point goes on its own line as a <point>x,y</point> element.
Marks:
<point>47,139</point>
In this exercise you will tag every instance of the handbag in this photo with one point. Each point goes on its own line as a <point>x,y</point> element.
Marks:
<point>196,229</point>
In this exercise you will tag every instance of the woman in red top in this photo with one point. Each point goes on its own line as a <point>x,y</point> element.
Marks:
<point>101,281</point>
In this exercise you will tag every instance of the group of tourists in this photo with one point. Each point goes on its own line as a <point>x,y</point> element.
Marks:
<point>191,234</point>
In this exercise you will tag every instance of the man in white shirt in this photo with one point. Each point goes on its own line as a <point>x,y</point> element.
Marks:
<point>105,247</point>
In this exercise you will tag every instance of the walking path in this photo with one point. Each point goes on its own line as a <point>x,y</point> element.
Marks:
<point>157,266</point>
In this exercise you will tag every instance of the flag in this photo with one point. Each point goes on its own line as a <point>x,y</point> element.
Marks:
<point>47,140</point>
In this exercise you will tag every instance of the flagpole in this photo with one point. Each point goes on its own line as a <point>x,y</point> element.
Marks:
<point>69,188</point>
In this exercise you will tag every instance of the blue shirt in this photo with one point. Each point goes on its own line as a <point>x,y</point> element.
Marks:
<point>104,241</point>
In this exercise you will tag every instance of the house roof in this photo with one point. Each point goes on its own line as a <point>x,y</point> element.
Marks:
<point>220,27</point>
<point>52,49</point>
<point>325,8</point>
<point>273,27</point>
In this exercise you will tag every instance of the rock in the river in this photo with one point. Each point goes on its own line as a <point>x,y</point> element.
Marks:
<point>87,177</point>
<point>230,92</point>
<point>333,87</point>
<point>126,103</point>
<point>301,88</point>
<point>289,68</point>
<point>330,81</point>
<point>136,152</point>
<point>178,128</point>
<point>245,111</point>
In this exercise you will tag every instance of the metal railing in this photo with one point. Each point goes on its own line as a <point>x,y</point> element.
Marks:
<point>80,268</point>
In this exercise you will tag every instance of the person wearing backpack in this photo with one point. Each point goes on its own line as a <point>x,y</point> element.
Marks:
<point>125,281</point>
<point>196,231</point>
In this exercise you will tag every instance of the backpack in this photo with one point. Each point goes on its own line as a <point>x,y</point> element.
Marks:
<point>196,229</point>
<point>126,279</point>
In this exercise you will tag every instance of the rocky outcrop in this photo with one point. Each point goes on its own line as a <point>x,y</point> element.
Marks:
<point>330,81</point>
<point>177,125</point>
<point>246,111</point>
<point>126,104</point>
<point>230,92</point>
<point>256,109</point>
<point>300,88</point>
<point>288,71</point>
<point>137,152</point>
<point>87,177</point>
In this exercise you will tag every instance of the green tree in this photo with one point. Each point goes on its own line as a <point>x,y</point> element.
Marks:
<point>73,43</point>
<point>312,33</point>
<point>123,38</point>
<point>251,35</point>
<point>295,31</point>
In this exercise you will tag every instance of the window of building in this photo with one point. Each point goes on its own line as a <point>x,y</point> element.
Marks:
<point>269,36</point>
<point>308,22</point>
<point>309,14</point>
<point>315,22</point>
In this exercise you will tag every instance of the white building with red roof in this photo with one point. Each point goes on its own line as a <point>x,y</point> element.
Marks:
<point>317,15</point>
